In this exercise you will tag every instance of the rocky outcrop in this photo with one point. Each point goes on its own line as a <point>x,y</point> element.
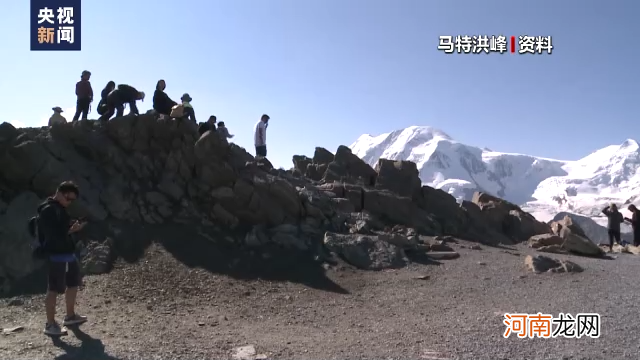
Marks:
<point>146,172</point>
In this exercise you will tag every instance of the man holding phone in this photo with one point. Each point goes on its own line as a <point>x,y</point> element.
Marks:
<point>56,226</point>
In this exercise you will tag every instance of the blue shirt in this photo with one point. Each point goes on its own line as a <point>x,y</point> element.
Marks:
<point>63,257</point>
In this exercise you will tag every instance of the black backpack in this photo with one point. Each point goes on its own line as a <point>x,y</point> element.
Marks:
<point>38,248</point>
<point>102,107</point>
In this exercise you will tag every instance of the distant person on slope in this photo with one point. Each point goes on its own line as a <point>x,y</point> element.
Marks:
<point>102,105</point>
<point>634,224</point>
<point>613,224</point>
<point>57,117</point>
<point>84,92</point>
<point>162,103</point>
<point>223,131</point>
<point>123,94</point>
<point>260,136</point>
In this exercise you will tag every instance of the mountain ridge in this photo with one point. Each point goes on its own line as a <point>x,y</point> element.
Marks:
<point>542,186</point>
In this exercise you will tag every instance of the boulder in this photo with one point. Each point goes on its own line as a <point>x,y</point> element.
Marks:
<point>365,252</point>
<point>509,218</point>
<point>541,264</point>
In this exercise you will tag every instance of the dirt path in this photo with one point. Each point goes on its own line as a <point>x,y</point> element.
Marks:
<point>161,309</point>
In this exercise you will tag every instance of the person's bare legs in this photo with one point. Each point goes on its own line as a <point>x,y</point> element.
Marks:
<point>50,306</point>
<point>70,298</point>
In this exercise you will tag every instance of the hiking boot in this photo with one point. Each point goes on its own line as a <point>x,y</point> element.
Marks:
<point>55,330</point>
<point>74,320</point>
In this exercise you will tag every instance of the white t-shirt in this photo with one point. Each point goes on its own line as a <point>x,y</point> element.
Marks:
<point>261,127</point>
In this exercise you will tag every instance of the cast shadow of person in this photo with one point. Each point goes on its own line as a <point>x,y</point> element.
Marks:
<point>90,348</point>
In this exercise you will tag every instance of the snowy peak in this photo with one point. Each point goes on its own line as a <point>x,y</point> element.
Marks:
<point>397,145</point>
<point>542,186</point>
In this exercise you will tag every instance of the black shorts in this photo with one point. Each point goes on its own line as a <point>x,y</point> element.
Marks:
<point>63,275</point>
<point>261,150</point>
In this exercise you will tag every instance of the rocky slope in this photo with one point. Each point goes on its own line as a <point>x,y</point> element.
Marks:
<point>144,179</point>
<point>542,187</point>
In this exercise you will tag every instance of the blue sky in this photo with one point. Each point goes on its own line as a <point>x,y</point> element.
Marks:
<point>328,71</point>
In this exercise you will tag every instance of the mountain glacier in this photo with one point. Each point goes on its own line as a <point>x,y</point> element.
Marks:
<point>544,187</point>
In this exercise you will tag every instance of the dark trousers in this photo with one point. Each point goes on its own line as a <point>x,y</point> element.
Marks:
<point>63,275</point>
<point>117,108</point>
<point>82,107</point>
<point>636,238</point>
<point>614,234</point>
<point>261,150</point>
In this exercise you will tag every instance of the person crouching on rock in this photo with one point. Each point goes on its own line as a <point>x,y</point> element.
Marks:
<point>55,227</point>
<point>209,125</point>
<point>634,224</point>
<point>123,94</point>
<point>613,224</point>
<point>102,105</point>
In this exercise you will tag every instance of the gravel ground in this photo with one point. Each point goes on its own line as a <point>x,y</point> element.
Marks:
<point>160,308</point>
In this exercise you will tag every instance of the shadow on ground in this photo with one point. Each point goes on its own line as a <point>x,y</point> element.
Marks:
<point>210,251</point>
<point>90,348</point>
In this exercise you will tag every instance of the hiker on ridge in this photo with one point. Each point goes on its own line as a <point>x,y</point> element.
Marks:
<point>162,103</point>
<point>634,224</point>
<point>57,117</point>
<point>615,218</point>
<point>102,104</point>
<point>54,227</point>
<point>209,125</point>
<point>123,94</point>
<point>223,131</point>
<point>189,113</point>
<point>260,136</point>
<point>84,92</point>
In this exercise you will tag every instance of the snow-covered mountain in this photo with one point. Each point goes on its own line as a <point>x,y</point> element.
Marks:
<point>543,187</point>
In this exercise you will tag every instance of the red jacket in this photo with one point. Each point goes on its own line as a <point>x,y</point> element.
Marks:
<point>84,90</point>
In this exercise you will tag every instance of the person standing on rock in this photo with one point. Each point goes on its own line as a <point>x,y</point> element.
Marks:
<point>57,117</point>
<point>634,224</point>
<point>123,94</point>
<point>55,227</point>
<point>260,136</point>
<point>615,218</point>
<point>84,92</point>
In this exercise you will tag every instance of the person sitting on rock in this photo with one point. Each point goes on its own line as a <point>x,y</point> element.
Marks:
<point>162,103</point>
<point>123,94</point>
<point>57,117</point>
<point>223,131</point>
<point>209,125</point>
<point>189,113</point>
<point>613,224</point>
<point>102,105</point>
<point>634,224</point>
